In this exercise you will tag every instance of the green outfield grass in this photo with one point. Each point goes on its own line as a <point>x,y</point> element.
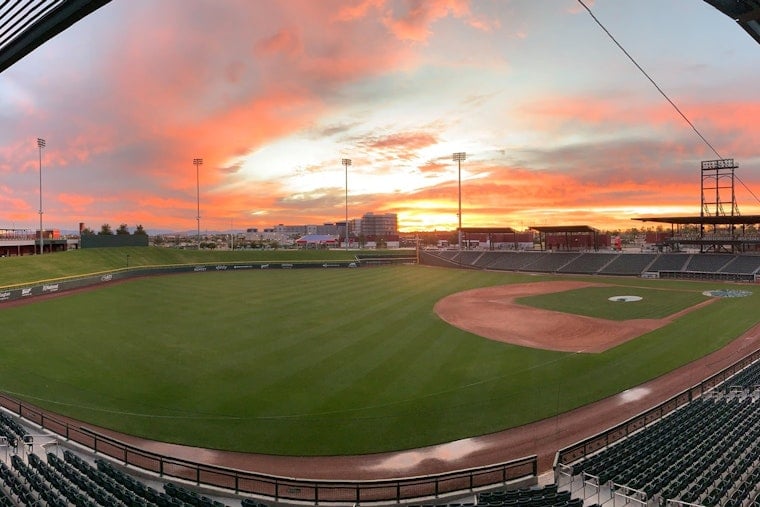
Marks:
<point>32,268</point>
<point>595,302</point>
<point>317,362</point>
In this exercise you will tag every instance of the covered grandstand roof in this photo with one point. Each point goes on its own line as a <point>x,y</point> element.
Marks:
<point>710,220</point>
<point>24,26</point>
<point>745,12</point>
<point>488,230</point>
<point>563,228</point>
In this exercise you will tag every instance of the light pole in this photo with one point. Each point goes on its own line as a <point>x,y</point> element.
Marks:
<point>198,162</point>
<point>458,157</point>
<point>346,162</point>
<point>40,145</point>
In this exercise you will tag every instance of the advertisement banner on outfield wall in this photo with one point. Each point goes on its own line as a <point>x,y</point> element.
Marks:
<point>53,287</point>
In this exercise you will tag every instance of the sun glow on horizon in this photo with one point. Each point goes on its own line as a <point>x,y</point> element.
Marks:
<point>556,127</point>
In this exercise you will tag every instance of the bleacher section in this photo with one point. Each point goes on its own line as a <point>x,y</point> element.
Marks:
<point>73,481</point>
<point>669,262</point>
<point>468,258</point>
<point>628,264</point>
<point>507,261</point>
<point>537,496</point>
<point>705,453</point>
<point>547,496</point>
<point>743,264</point>
<point>550,262</point>
<point>667,265</point>
<point>588,263</point>
<point>29,479</point>
<point>708,263</point>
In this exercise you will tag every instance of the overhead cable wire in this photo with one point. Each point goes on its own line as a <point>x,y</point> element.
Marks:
<point>694,128</point>
<point>654,83</point>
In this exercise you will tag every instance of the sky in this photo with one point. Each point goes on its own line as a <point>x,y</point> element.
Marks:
<point>558,125</point>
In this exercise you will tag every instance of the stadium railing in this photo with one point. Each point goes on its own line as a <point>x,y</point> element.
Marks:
<point>586,447</point>
<point>282,488</point>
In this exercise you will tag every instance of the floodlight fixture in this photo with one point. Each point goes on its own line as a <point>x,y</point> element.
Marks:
<point>346,162</point>
<point>40,145</point>
<point>198,162</point>
<point>458,157</point>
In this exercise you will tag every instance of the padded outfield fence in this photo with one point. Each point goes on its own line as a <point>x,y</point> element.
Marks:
<point>41,288</point>
<point>458,482</point>
<point>24,291</point>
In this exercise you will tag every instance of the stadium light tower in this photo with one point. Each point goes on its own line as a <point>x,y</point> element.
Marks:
<point>198,162</point>
<point>40,145</point>
<point>346,162</point>
<point>458,157</point>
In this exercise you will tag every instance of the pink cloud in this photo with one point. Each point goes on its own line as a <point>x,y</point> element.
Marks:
<point>77,203</point>
<point>358,10</point>
<point>286,42</point>
<point>413,22</point>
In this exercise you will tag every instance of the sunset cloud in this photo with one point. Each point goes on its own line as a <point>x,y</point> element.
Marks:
<point>558,126</point>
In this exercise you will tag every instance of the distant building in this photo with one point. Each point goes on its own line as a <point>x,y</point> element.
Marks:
<point>379,226</point>
<point>370,226</point>
<point>326,229</point>
<point>317,241</point>
<point>288,234</point>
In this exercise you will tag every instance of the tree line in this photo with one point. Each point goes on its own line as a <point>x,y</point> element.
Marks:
<point>105,230</point>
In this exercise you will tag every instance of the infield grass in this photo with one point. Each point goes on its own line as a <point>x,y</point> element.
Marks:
<point>595,302</point>
<point>318,362</point>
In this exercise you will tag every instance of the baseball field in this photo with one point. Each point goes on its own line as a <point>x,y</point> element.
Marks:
<point>332,361</point>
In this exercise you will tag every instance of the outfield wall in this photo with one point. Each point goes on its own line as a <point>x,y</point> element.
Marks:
<point>25,291</point>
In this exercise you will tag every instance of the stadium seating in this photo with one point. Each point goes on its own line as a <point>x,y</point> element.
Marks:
<point>508,261</point>
<point>742,264</point>
<point>708,263</point>
<point>669,262</point>
<point>551,262</point>
<point>706,452</point>
<point>671,265</point>
<point>468,258</point>
<point>51,481</point>
<point>546,496</point>
<point>588,263</point>
<point>628,264</point>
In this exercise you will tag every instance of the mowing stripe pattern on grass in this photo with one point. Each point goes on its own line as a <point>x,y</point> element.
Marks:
<point>316,362</point>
